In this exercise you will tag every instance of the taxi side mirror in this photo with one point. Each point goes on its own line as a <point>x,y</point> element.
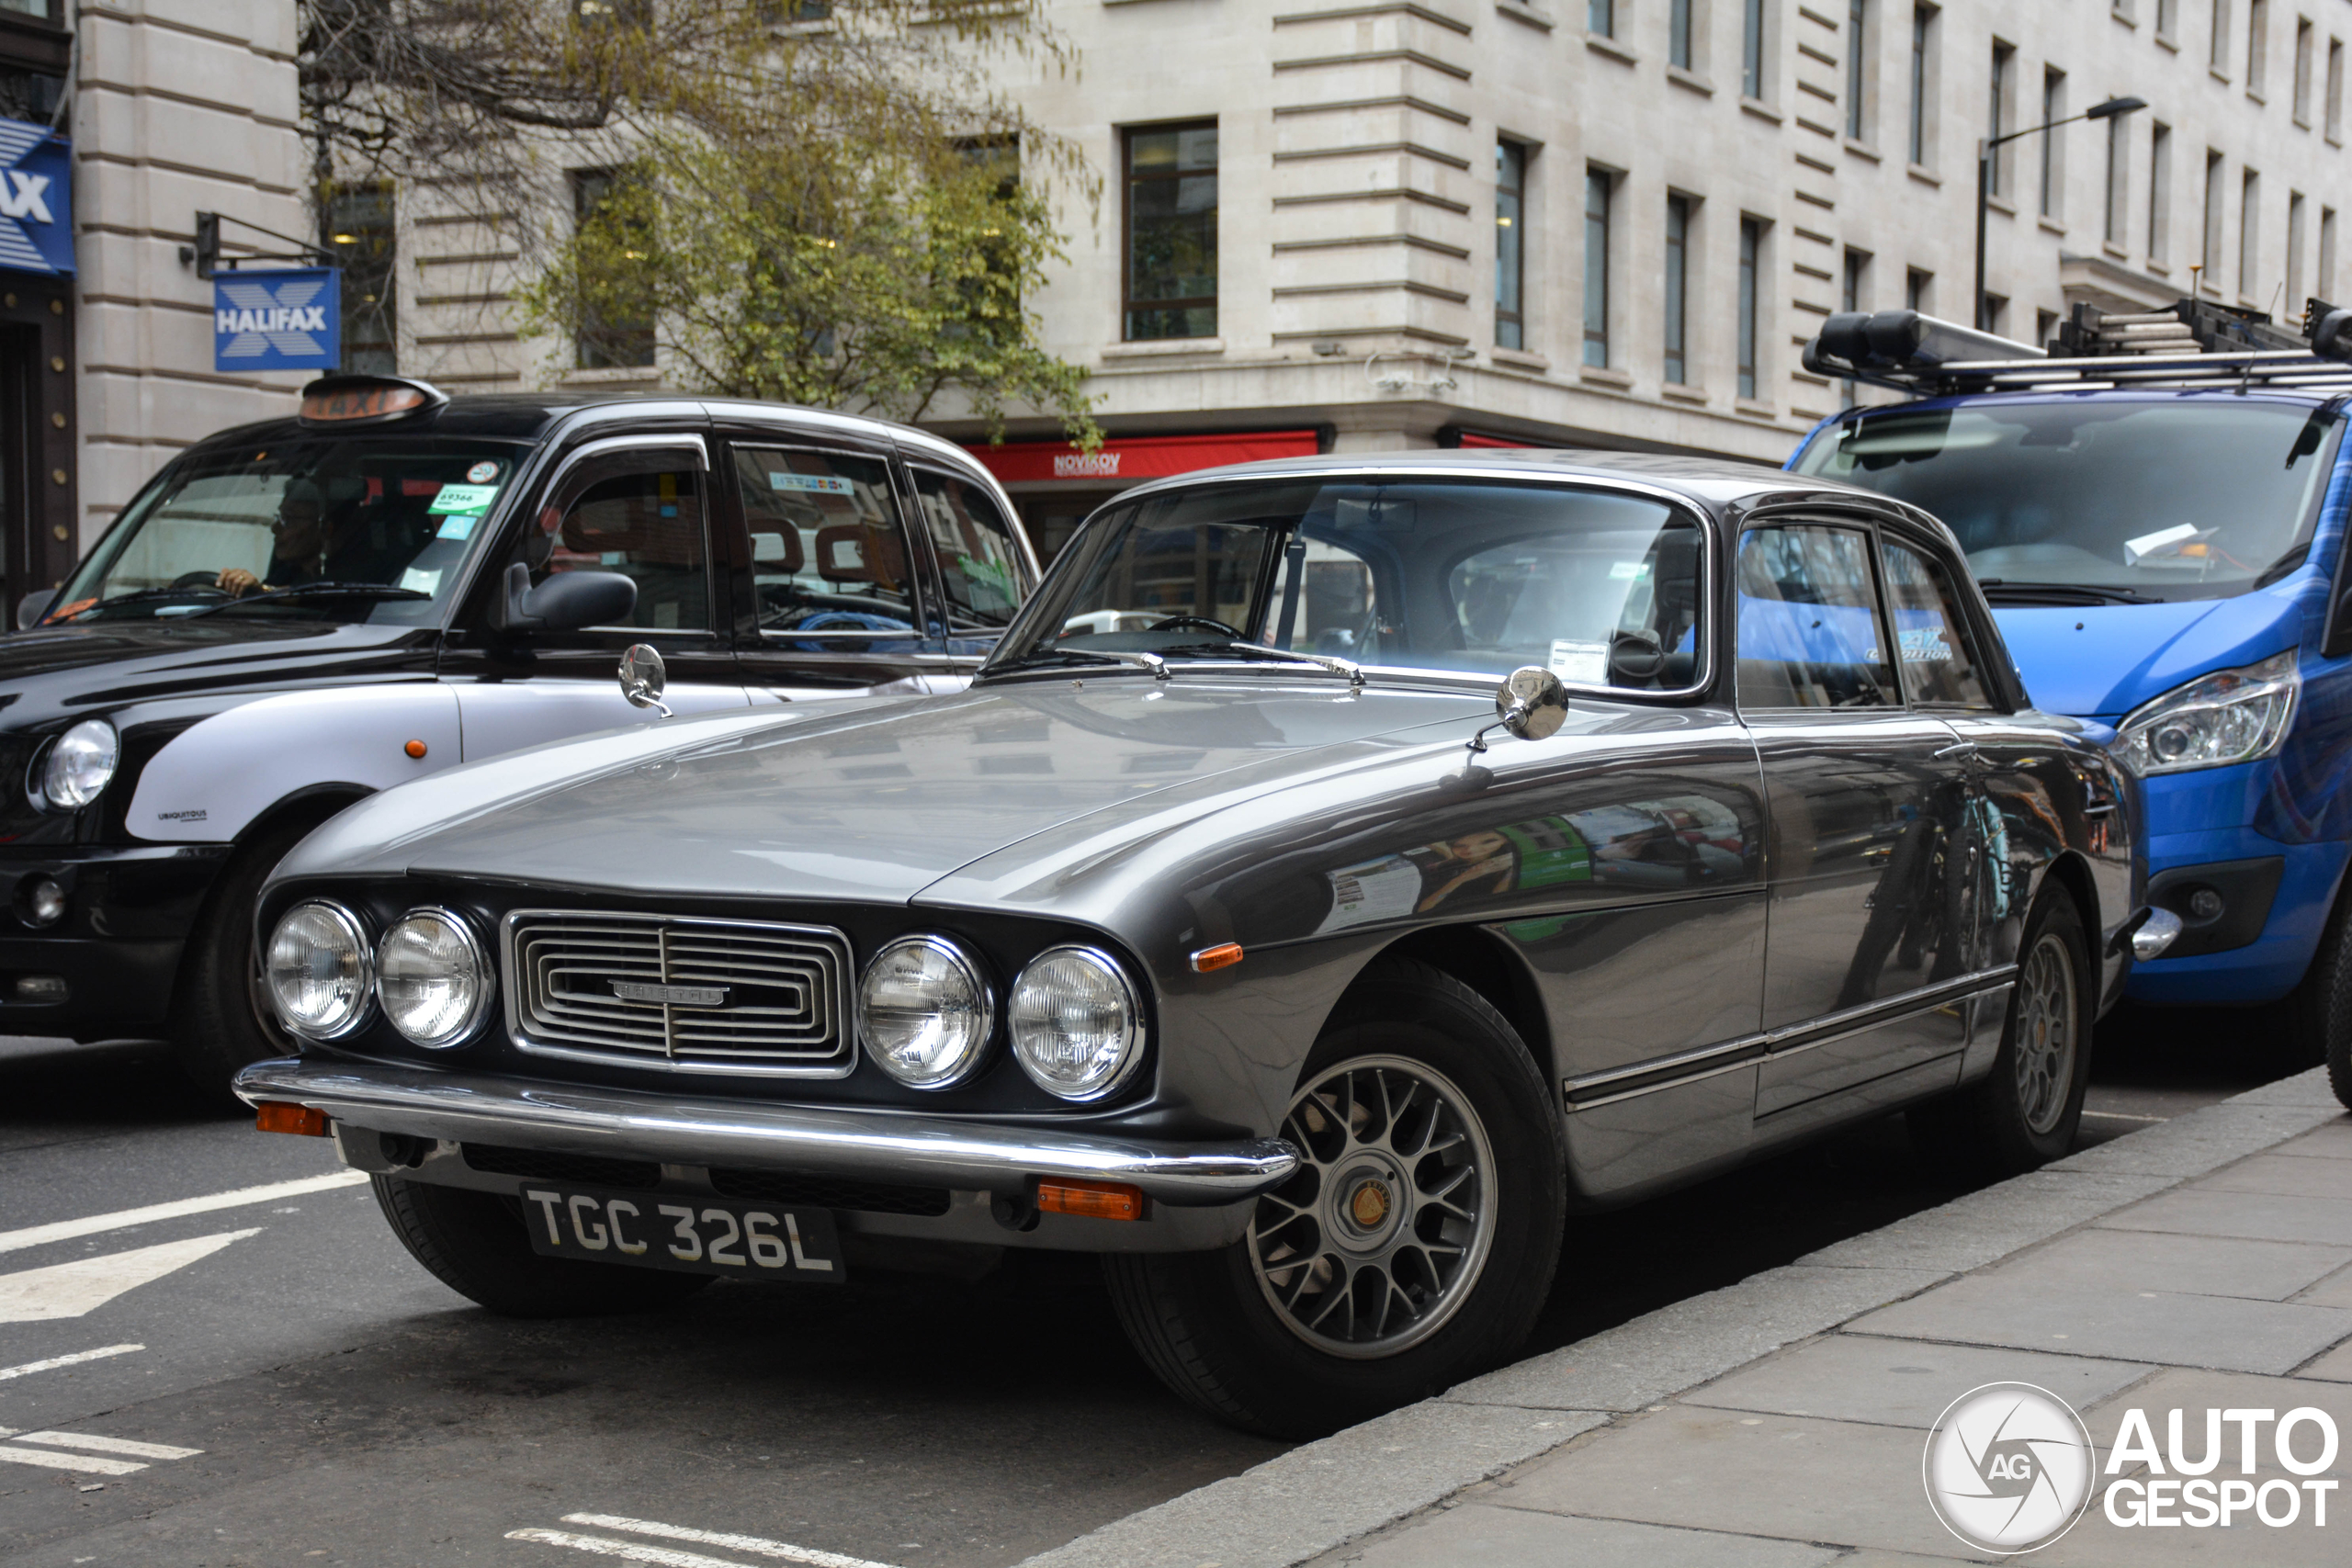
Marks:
<point>33,607</point>
<point>566,602</point>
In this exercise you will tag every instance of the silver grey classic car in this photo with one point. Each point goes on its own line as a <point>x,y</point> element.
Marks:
<point>1235,926</point>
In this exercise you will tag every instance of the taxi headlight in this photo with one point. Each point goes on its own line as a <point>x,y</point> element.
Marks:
<point>924,1012</point>
<point>2230,716</point>
<point>318,970</point>
<point>432,977</point>
<point>80,764</point>
<point>1076,1028</point>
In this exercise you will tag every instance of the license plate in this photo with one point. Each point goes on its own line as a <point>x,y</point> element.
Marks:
<point>683,1232</point>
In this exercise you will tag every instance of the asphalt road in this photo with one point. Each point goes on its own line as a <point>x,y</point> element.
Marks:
<point>294,1390</point>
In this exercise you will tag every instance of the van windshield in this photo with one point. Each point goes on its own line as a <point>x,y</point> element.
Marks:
<point>2088,501</point>
<point>339,527</point>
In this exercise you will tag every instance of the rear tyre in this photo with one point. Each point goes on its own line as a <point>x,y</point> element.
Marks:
<point>225,1019</point>
<point>2025,1112</point>
<point>1413,1248</point>
<point>475,1243</point>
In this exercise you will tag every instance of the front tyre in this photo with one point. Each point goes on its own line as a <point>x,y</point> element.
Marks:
<point>2319,1010</point>
<point>475,1243</point>
<point>1412,1248</point>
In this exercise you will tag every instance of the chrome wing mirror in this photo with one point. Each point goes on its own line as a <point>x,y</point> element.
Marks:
<point>643,678</point>
<point>1531,703</point>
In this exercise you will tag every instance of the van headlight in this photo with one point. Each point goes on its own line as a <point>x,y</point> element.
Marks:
<point>924,1012</point>
<point>1076,1027</point>
<point>80,764</point>
<point>318,971</point>
<point>2229,715</point>
<point>432,977</point>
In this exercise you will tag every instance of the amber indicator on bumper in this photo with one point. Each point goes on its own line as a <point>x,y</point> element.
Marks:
<point>278,1116</point>
<point>1092,1200</point>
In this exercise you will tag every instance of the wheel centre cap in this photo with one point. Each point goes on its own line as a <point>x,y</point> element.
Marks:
<point>1370,1204</point>
<point>1367,1203</point>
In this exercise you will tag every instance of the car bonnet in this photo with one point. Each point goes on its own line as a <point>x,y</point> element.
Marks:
<point>2102,660</point>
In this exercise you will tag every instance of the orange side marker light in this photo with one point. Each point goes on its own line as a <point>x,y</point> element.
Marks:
<point>414,748</point>
<point>1091,1199</point>
<point>1223,955</point>
<point>278,1116</point>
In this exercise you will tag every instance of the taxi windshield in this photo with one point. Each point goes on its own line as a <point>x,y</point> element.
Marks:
<point>2087,500</point>
<point>1474,576</point>
<point>338,527</point>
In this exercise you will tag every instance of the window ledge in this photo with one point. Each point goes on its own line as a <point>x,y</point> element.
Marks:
<point>1602,376</point>
<point>1683,77</point>
<point>2050,226</point>
<point>1923,173</point>
<point>2124,16</point>
<point>2216,73</point>
<point>1678,393</point>
<point>2253,95</point>
<point>1861,149</point>
<point>1755,408</point>
<point>1163,348</point>
<point>2336,139</point>
<point>1612,48</point>
<point>2002,204</point>
<point>2162,269</point>
<point>1762,110</point>
<point>2302,121</point>
<point>1528,14</point>
<point>2166,41</point>
<point>2118,252</point>
<point>1519,359</point>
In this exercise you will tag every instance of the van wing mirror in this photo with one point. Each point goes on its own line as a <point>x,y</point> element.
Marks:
<point>566,602</point>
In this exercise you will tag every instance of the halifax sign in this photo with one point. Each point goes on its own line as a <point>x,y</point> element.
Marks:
<point>278,320</point>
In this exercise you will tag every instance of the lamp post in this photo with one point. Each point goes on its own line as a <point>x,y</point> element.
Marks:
<point>1984,150</point>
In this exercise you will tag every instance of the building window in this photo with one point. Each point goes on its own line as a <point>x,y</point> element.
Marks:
<point>1596,266</point>
<point>2045,327</point>
<point>1850,294</point>
<point>2000,85</point>
<point>2160,194</point>
<point>1600,18</point>
<point>1997,314</point>
<point>1680,46</point>
<point>606,342</point>
<point>2324,284</point>
<point>2249,231</point>
<point>2167,18</point>
<point>1510,244</point>
<point>1751,49</point>
<point>2298,236</point>
<point>2209,247</point>
<point>2303,46</point>
<point>1751,267</point>
<point>1918,290</point>
<point>2336,89</point>
<point>1678,290</point>
<point>2258,43</point>
<point>2218,57</point>
<point>1923,23</point>
<point>361,232</point>
<point>2118,158</point>
<point>2053,168</point>
<point>1858,58</point>
<point>1170,232</point>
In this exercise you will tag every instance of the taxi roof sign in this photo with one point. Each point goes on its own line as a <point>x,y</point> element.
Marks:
<point>369,399</point>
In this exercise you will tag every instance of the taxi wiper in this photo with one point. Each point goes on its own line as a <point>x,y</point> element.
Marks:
<point>2007,590</point>
<point>1347,667</point>
<point>135,597</point>
<point>315,591</point>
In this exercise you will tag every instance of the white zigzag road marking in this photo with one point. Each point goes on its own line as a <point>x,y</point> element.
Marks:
<point>122,1219</point>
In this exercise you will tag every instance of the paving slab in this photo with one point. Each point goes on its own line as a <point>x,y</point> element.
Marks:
<point>1971,1231</point>
<point>1511,1537</point>
<point>2228,1333</point>
<point>2161,1262</point>
<point>1903,1382</point>
<point>2288,1176</point>
<point>2336,1291</point>
<point>2334,1366</point>
<point>1633,1367</point>
<point>2261,1216</point>
<point>2332,1141</point>
<point>2309,1088</point>
<point>2200,1141</point>
<point>2194,1393</point>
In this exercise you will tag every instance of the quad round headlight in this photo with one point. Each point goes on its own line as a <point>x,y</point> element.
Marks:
<point>924,1012</point>
<point>1077,1029</point>
<point>432,977</point>
<point>80,764</point>
<point>318,970</point>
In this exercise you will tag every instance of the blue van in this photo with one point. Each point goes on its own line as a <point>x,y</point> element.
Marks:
<point>2156,511</point>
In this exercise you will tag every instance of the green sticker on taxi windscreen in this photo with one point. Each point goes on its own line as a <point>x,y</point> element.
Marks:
<point>463,498</point>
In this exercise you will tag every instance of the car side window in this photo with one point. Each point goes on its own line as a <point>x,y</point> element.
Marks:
<point>978,564</point>
<point>828,557</point>
<point>649,526</point>
<point>1809,631</point>
<point>1939,666</point>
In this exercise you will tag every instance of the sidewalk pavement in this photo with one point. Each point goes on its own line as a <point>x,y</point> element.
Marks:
<point>2205,1263</point>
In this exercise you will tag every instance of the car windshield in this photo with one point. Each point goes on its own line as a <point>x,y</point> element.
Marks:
<point>1603,588</point>
<point>342,527</point>
<point>2087,501</point>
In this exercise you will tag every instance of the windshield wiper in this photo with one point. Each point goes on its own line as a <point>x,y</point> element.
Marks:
<point>137,596</point>
<point>2001,591</point>
<point>315,591</point>
<point>1348,667</point>
<point>1151,661</point>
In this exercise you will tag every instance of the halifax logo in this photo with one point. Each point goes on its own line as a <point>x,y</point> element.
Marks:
<point>276,320</point>
<point>36,200</point>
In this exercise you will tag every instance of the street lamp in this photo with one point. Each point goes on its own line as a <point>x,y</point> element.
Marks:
<point>2108,111</point>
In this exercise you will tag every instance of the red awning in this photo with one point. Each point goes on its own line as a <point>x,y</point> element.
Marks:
<point>1472,440</point>
<point>1138,457</point>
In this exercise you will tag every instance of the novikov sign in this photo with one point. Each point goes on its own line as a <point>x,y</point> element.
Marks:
<point>36,200</point>
<point>278,320</point>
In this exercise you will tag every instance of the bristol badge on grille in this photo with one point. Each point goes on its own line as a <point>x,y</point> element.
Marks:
<point>670,996</point>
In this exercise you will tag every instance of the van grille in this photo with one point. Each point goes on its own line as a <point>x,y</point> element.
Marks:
<point>696,995</point>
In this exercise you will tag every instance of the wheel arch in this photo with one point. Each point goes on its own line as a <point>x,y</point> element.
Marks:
<point>1489,965</point>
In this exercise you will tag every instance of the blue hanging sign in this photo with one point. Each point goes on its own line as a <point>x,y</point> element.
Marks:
<point>278,320</point>
<point>36,200</point>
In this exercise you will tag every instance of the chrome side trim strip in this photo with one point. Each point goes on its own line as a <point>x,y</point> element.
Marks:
<point>871,1144</point>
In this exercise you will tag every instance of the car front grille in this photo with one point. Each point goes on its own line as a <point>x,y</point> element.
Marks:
<point>696,995</point>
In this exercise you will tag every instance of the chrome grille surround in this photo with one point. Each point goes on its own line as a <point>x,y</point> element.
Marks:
<point>784,1012</point>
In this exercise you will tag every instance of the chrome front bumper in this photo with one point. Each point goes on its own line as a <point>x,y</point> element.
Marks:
<point>872,1144</point>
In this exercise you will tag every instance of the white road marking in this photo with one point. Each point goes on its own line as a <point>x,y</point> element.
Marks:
<point>75,1462</point>
<point>70,1289</point>
<point>95,1444</point>
<point>634,1551</point>
<point>749,1543</point>
<point>122,1219</point>
<point>74,1359</point>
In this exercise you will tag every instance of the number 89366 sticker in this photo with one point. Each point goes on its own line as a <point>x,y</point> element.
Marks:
<point>686,1232</point>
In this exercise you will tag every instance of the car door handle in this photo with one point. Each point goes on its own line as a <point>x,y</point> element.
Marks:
<point>1963,751</point>
<point>2100,809</point>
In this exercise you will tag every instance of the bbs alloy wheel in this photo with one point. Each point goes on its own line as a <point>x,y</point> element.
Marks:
<point>2048,1011</point>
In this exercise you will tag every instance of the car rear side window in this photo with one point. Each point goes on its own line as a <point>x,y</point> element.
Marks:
<point>1940,665</point>
<point>1809,629</point>
<point>829,559</point>
<point>979,565</point>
